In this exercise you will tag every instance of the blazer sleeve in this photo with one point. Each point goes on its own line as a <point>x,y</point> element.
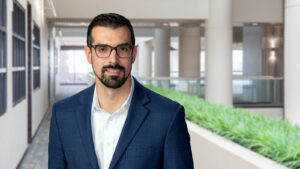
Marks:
<point>177,148</point>
<point>56,156</point>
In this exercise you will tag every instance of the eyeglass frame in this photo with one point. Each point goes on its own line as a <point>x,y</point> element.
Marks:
<point>113,48</point>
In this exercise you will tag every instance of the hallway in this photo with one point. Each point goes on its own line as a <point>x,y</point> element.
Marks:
<point>238,53</point>
<point>36,156</point>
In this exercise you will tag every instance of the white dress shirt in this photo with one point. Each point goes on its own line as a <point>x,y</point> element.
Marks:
<point>106,128</point>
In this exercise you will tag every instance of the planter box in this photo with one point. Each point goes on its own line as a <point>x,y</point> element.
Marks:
<point>211,151</point>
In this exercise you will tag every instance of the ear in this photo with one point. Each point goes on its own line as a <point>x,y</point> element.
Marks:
<point>88,54</point>
<point>135,50</point>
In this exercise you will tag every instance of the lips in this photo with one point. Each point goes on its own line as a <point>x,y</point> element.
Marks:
<point>112,69</point>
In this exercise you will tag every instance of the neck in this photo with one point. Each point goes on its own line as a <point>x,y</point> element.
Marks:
<point>112,99</point>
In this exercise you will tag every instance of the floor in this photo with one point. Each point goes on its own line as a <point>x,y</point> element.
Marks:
<point>36,156</point>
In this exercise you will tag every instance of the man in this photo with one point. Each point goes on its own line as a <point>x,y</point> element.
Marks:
<point>117,123</point>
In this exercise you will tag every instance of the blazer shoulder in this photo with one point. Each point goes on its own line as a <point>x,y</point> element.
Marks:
<point>162,101</point>
<point>74,100</point>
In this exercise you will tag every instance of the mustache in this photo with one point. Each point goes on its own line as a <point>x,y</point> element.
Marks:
<point>104,68</point>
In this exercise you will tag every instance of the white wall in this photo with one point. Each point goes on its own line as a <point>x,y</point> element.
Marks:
<point>257,11</point>
<point>274,112</point>
<point>52,65</point>
<point>13,123</point>
<point>211,151</point>
<point>40,96</point>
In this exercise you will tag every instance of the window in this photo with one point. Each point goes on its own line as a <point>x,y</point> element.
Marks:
<point>237,59</point>
<point>18,54</point>
<point>3,57</point>
<point>73,67</point>
<point>36,57</point>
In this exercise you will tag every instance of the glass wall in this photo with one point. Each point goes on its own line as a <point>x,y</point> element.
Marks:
<point>247,91</point>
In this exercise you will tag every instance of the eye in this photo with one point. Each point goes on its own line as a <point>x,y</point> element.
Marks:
<point>123,48</point>
<point>102,49</point>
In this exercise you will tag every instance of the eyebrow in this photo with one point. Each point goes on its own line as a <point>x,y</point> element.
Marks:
<point>121,44</point>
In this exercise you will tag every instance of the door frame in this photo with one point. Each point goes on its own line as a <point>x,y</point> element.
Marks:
<point>29,73</point>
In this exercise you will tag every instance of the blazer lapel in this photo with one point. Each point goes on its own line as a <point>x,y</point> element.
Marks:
<point>136,115</point>
<point>83,114</point>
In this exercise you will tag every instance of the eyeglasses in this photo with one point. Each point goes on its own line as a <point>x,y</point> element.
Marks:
<point>104,51</point>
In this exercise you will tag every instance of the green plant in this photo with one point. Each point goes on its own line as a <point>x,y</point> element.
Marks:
<point>278,140</point>
<point>92,73</point>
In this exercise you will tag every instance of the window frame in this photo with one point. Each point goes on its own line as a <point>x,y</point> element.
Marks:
<point>36,48</point>
<point>18,53</point>
<point>3,57</point>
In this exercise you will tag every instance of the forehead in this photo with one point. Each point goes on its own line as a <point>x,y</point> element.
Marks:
<point>111,36</point>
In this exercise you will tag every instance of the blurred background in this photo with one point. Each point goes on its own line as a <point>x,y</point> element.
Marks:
<point>241,53</point>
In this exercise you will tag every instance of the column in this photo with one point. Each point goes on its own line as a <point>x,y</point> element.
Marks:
<point>189,57</point>
<point>162,52</point>
<point>218,76</point>
<point>189,50</point>
<point>291,61</point>
<point>135,65</point>
<point>145,59</point>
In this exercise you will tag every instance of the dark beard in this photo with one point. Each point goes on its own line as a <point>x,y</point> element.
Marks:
<point>113,82</point>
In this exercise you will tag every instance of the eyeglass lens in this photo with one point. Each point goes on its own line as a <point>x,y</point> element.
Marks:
<point>105,50</point>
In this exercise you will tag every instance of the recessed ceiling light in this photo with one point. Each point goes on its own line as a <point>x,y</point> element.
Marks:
<point>174,24</point>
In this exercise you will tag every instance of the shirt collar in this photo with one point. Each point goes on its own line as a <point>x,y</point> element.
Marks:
<point>126,104</point>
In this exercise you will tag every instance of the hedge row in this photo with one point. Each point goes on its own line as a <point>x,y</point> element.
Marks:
<point>278,140</point>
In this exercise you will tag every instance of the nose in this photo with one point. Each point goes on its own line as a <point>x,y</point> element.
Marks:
<point>113,58</point>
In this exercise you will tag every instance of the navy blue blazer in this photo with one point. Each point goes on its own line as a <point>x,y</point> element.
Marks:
<point>154,135</point>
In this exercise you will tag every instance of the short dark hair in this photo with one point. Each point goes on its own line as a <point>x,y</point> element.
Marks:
<point>111,20</point>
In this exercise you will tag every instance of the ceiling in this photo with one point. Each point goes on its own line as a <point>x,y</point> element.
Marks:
<point>67,26</point>
<point>77,26</point>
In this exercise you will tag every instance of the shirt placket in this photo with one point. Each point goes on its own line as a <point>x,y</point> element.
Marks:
<point>108,140</point>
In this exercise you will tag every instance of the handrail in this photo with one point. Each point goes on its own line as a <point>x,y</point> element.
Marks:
<point>235,77</point>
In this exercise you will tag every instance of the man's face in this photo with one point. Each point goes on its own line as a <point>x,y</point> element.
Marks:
<point>112,71</point>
